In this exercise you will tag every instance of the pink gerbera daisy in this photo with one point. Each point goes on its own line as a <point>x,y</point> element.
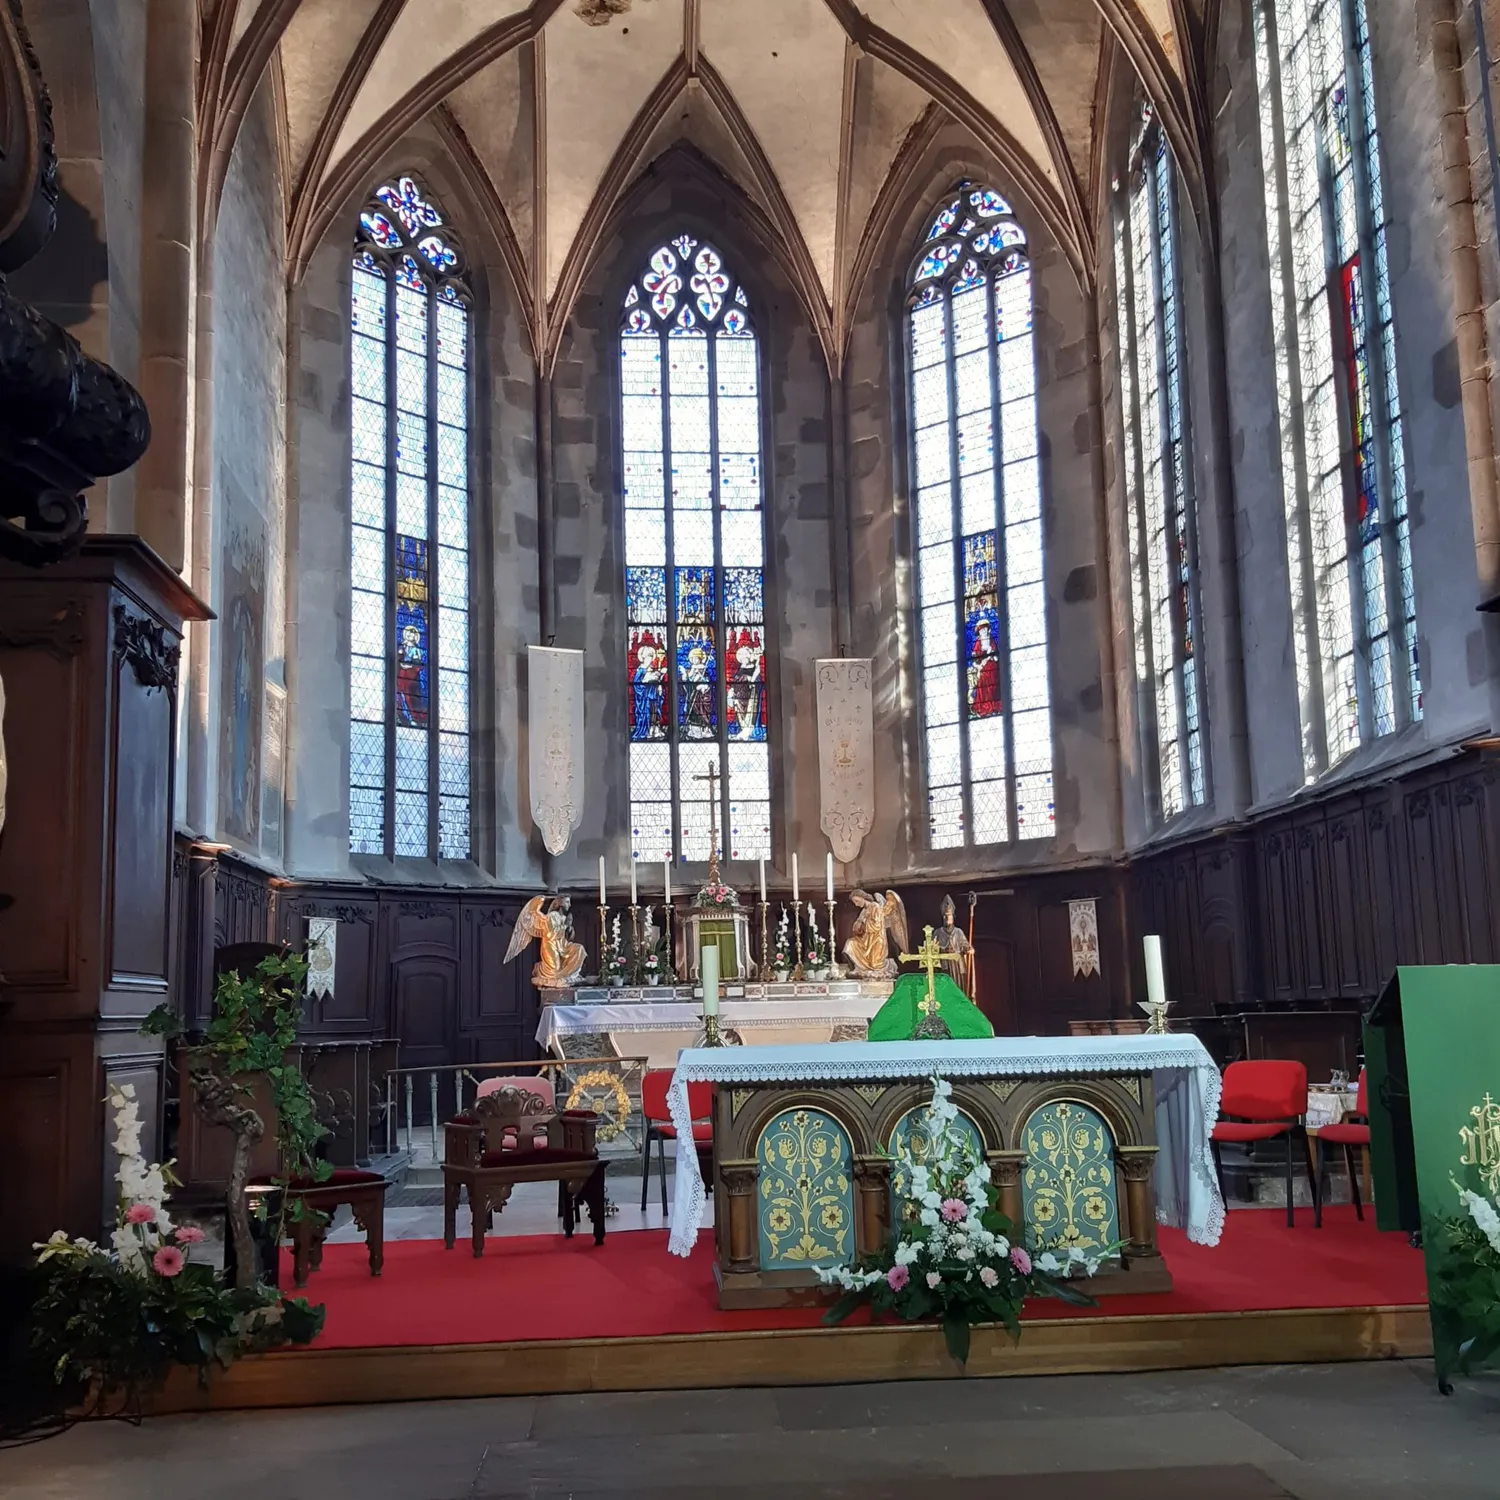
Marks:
<point>167,1261</point>
<point>139,1213</point>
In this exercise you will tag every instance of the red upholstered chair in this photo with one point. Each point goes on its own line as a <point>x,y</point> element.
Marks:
<point>1353,1130</point>
<point>485,1154</point>
<point>1265,1100</point>
<point>659,1127</point>
<point>364,1192</point>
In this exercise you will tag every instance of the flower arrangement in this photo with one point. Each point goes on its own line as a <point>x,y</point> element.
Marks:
<point>781,954</point>
<point>108,1323</point>
<point>716,894</point>
<point>954,1256</point>
<point>1465,1286</point>
<point>612,954</point>
<point>816,956</point>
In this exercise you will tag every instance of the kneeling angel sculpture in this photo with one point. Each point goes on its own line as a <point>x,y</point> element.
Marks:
<point>880,918</point>
<point>559,959</point>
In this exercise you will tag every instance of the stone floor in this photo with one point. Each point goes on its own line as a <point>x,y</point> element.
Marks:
<point>1374,1431</point>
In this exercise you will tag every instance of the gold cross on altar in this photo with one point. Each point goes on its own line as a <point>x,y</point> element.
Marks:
<point>929,955</point>
<point>711,776</point>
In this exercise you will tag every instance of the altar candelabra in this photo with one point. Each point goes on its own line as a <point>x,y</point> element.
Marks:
<point>798,972</point>
<point>635,943</point>
<point>833,957</point>
<point>765,942</point>
<point>603,935</point>
<point>670,977</point>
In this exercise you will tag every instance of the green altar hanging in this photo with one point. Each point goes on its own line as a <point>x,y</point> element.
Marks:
<point>897,1020</point>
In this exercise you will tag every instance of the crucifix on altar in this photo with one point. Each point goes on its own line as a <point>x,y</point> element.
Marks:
<point>715,917</point>
<point>932,1027</point>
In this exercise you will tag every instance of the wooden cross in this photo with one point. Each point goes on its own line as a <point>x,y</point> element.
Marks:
<point>711,776</point>
<point>929,955</point>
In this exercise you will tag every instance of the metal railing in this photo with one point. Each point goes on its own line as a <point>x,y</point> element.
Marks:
<point>611,1082</point>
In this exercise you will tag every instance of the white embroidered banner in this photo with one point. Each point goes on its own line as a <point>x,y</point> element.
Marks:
<point>1083,929</point>
<point>556,692</point>
<point>322,955</point>
<point>846,753</point>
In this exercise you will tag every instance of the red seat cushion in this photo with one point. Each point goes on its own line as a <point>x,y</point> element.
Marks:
<point>1345,1135</point>
<point>654,1086</point>
<point>1266,1090</point>
<point>1230,1130</point>
<point>536,1156</point>
<point>703,1130</point>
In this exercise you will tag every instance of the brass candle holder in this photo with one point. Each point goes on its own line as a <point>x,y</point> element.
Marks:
<point>603,935</point>
<point>671,975</point>
<point>711,1035</point>
<point>798,972</point>
<point>833,957</point>
<point>634,973</point>
<point>765,942</point>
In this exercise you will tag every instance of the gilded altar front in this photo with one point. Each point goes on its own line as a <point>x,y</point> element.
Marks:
<point>807,1174</point>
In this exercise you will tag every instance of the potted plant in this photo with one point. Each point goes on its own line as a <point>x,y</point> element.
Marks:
<point>107,1323</point>
<point>954,1257</point>
<point>254,1026</point>
<point>816,962</point>
<point>612,958</point>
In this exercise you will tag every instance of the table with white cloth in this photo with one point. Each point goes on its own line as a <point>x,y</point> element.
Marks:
<point>657,1022</point>
<point>1091,1141</point>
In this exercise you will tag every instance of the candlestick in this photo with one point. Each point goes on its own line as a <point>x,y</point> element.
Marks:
<point>635,940</point>
<point>603,932</point>
<point>708,972</point>
<point>671,974</point>
<point>1155,1004</point>
<point>765,932</point>
<point>796,891</point>
<point>762,882</point>
<point>798,972</point>
<point>830,878</point>
<point>834,971</point>
<point>632,883</point>
<point>602,897</point>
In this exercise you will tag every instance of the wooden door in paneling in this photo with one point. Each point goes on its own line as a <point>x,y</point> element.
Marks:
<point>995,971</point>
<point>424,1006</point>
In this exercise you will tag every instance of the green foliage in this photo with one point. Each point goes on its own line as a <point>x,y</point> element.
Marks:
<point>1464,1294</point>
<point>103,1332</point>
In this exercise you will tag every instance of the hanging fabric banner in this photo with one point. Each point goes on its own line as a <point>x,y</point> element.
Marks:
<point>556,693</point>
<point>322,955</point>
<point>846,753</point>
<point>1083,930</point>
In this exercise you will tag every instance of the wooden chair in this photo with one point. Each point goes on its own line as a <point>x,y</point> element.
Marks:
<point>489,1149</point>
<point>364,1192</point>
<point>1266,1099</point>
<point>659,1127</point>
<point>1350,1132</point>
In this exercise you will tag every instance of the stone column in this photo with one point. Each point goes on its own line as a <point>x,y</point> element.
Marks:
<point>1005,1169</point>
<point>1136,1163</point>
<point>872,1204</point>
<point>739,1242</point>
<point>164,481</point>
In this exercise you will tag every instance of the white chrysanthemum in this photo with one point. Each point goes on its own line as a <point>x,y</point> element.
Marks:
<point>907,1251</point>
<point>1049,1263</point>
<point>930,1218</point>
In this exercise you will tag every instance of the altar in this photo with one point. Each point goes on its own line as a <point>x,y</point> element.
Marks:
<point>657,1022</point>
<point>1090,1140</point>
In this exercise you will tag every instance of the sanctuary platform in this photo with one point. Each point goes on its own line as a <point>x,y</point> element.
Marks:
<point>658,1021</point>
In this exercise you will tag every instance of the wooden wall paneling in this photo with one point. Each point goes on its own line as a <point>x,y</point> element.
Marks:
<point>1433,872</point>
<point>1351,942</point>
<point>499,1004</point>
<point>421,943</point>
<point>1390,915</point>
<point>358,1006</point>
<point>1281,924</point>
<point>1474,845</point>
<point>1308,902</point>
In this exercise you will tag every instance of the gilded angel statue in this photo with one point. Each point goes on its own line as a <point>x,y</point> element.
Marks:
<point>880,919</point>
<point>559,959</point>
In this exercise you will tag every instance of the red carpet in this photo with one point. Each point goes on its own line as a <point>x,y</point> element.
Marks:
<point>544,1287</point>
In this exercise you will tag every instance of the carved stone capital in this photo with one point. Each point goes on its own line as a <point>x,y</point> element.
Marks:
<point>1136,1163</point>
<point>739,1177</point>
<point>872,1171</point>
<point>1006,1167</point>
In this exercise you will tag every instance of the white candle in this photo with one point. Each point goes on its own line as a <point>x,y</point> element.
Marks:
<point>762,882</point>
<point>602,901</point>
<point>1156,980</point>
<point>830,876</point>
<point>633,901</point>
<point>666,879</point>
<point>708,972</point>
<point>796,893</point>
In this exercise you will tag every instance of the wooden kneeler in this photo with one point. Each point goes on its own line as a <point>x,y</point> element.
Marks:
<point>489,1149</point>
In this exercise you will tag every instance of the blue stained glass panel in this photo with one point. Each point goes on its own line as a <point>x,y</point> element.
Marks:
<point>648,682</point>
<point>745,679</point>
<point>646,595</point>
<point>413,647</point>
<point>744,603</point>
<point>697,684</point>
<point>695,596</point>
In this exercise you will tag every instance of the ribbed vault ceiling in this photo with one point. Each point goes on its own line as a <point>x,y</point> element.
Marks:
<point>805,103</point>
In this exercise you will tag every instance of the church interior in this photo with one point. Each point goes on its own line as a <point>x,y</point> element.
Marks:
<point>808,611</point>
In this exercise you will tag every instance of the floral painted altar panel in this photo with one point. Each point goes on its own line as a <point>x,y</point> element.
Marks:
<point>806,1191</point>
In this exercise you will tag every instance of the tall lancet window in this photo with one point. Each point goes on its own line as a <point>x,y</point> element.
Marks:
<point>409,792</point>
<point>982,608</point>
<point>695,684</point>
<point>1343,466</point>
<point>1158,476</point>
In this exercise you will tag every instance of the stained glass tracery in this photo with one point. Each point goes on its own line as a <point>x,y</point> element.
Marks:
<point>409,783</point>
<point>1338,403</point>
<point>690,418</point>
<point>981,605</point>
<point>1158,477</point>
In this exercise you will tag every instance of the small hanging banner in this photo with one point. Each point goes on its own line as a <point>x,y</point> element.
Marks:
<point>556,722</point>
<point>322,955</point>
<point>1083,931</point>
<point>846,753</point>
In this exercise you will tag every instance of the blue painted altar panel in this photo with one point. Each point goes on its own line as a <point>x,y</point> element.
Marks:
<point>805,1192</point>
<point>1068,1187</point>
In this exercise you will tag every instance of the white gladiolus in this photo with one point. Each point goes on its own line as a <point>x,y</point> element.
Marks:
<point>1486,1220</point>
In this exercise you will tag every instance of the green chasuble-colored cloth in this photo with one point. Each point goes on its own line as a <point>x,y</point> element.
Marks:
<point>896,1020</point>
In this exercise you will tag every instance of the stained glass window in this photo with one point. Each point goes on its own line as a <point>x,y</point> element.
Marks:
<point>409,789</point>
<point>1162,540</point>
<point>981,600</point>
<point>695,661</point>
<point>1343,466</point>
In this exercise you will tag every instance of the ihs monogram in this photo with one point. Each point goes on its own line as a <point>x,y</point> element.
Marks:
<point>1482,1142</point>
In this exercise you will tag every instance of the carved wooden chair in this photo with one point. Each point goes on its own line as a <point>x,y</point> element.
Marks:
<point>364,1192</point>
<point>488,1149</point>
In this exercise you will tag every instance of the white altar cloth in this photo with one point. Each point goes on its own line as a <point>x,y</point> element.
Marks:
<point>1185,1081</point>
<point>684,1015</point>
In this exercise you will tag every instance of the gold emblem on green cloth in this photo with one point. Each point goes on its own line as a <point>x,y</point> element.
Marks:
<point>1482,1142</point>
